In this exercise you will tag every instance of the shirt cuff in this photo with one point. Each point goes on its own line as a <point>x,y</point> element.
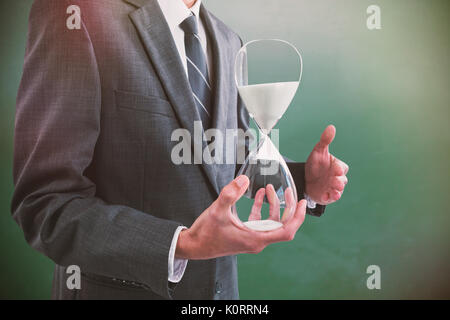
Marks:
<point>176,266</point>
<point>310,202</point>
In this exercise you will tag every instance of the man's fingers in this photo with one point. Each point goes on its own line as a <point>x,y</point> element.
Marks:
<point>274,203</point>
<point>288,230</point>
<point>335,195</point>
<point>255,214</point>
<point>290,205</point>
<point>233,191</point>
<point>325,197</point>
<point>326,138</point>
<point>338,183</point>
<point>298,219</point>
<point>345,168</point>
<point>339,167</point>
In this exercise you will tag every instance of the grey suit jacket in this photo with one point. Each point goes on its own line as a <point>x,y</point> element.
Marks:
<point>94,182</point>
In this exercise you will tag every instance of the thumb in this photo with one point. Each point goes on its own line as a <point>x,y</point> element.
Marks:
<point>326,138</point>
<point>233,191</point>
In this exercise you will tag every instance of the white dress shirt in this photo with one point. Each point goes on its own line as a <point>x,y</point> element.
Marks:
<point>175,11</point>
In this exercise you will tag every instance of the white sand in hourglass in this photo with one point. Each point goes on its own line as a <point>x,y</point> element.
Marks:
<point>267,102</point>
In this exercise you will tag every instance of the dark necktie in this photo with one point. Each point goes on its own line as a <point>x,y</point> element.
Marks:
<point>197,70</point>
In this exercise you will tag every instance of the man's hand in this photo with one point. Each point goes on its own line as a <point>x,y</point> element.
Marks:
<point>218,232</point>
<point>325,175</point>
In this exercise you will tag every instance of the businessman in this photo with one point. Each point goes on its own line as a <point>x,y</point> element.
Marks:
<point>95,185</point>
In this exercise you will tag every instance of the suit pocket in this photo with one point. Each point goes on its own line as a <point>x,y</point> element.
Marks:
<point>149,104</point>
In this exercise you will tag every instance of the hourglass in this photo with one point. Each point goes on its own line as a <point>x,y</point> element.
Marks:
<point>267,75</point>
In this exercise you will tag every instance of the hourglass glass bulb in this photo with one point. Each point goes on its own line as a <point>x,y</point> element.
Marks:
<point>267,97</point>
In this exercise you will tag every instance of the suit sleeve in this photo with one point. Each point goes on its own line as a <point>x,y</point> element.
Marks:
<point>56,129</point>
<point>297,169</point>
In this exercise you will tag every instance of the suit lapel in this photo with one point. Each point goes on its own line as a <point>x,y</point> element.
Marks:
<point>158,42</point>
<point>222,79</point>
<point>220,75</point>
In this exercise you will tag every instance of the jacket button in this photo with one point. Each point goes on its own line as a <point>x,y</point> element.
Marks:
<point>218,287</point>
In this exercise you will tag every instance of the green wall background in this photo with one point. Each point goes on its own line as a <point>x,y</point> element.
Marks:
<point>386,91</point>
